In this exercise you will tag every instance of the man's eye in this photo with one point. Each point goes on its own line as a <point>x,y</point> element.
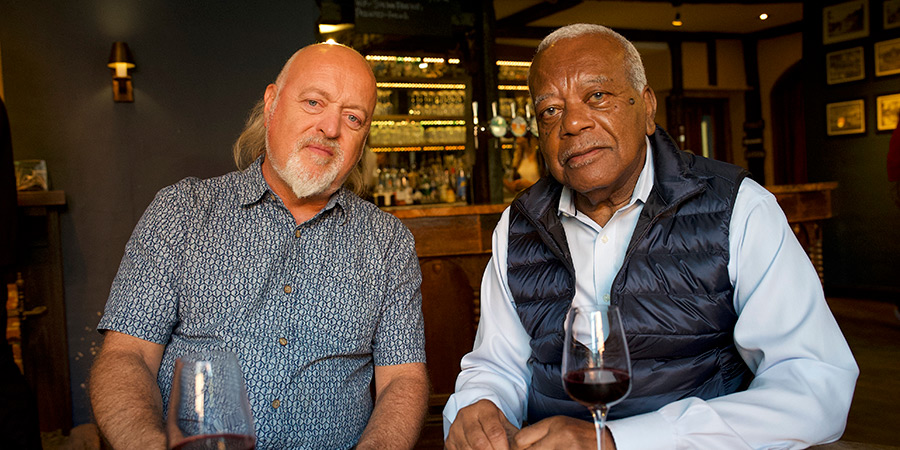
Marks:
<point>353,118</point>
<point>549,112</point>
<point>312,103</point>
<point>597,96</point>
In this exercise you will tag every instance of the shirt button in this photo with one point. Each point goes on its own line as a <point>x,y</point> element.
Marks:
<point>604,239</point>
<point>296,233</point>
<point>287,289</point>
<point>282,341</point>
<point>276,403</point>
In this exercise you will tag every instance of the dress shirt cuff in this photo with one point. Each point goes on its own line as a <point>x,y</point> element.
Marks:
<point>469,396</point>
<point>645,431</point>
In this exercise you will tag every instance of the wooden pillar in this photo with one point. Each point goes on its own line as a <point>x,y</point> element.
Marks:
<point>754,125</point>
<point>488,171</point>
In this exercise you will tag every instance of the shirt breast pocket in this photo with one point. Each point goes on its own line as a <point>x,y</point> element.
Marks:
<point>340,312</point>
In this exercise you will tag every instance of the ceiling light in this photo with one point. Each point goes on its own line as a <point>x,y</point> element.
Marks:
<point>326,28</point>
<point>677,21</point>
<point>763,16</point>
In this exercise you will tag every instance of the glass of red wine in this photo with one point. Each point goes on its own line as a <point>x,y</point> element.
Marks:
<point>596,366</point>
<point>208,405</point>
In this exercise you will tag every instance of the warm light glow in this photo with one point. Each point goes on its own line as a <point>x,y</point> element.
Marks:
<point>514,63</point>
<point>512,87</point>
<point>427,148</point>
<point>677,22</point>
<point>390,85</point>
<point>122,69</point>
<point>331,41</point>
<point>411,59</point>
<point>423,65</point>
<point>326,28</point>
<point>763,16</point>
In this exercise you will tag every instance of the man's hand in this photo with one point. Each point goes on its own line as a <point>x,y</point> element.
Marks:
<point>561,432</point>
<point>480,426</point>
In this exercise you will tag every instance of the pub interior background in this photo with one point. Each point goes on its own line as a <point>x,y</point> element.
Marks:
<point>200,67</point>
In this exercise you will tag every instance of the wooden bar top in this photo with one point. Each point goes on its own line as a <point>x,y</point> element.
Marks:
<point>808,187</point>
<point>805,202</point>
<point>444,210</point>
<point>41,198</point>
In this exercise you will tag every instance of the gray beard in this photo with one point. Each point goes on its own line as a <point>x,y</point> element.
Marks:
<point>307,180</point>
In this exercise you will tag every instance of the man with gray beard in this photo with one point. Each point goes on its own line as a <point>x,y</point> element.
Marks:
<point>732,344</point>
<point>314,289</point>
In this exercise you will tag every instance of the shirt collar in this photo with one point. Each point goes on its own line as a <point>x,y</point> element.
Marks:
<point>641,189</point>
<point>254,188</point>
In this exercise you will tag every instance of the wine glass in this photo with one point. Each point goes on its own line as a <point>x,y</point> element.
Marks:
<point>596,366</point>
<point>208,405</point>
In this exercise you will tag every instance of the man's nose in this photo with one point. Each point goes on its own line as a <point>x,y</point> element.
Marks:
<point>575,119</point>
<point>330,123</point>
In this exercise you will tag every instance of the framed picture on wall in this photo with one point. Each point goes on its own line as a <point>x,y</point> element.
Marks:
<point>845,65</point>
<point>887,57</point>
<point>845,117</point>
<point>845,21</point>
<point>891,14</point>
<point>887,109</point>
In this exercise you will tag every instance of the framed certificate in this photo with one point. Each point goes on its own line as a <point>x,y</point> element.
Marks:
<point>891,14</point>
<point>887,108</point>
<point>845,21</point>
<point>845,65</point>
<point>887,57</point>
<point>845,117</point>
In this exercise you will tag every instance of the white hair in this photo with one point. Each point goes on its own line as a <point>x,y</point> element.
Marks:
<point>634,66</point>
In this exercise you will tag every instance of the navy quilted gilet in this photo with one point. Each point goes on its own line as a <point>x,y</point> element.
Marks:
<point>673,288</point>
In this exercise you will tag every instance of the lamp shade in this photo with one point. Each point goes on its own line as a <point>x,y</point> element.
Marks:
<point>120,54</point>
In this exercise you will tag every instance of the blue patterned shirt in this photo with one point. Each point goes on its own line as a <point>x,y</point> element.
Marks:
<point>220,264</point>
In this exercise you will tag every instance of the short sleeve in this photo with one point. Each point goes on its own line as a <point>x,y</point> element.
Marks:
<point>143,299</point>
<point>400,336</point>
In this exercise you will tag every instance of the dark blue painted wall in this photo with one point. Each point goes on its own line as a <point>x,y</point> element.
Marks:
<point>861,243</point>
<point>201,65</point>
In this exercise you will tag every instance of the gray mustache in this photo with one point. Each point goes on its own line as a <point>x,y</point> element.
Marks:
<point>577,149</point>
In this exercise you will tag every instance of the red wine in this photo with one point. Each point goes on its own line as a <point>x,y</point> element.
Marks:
<point>217,442</point>
<point>593,387</point>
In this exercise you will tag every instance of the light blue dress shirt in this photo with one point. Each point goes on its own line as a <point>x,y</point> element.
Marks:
<point>805,373</point>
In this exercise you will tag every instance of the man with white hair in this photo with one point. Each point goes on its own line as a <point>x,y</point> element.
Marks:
<point>314,289</point>
<point>732,342</point>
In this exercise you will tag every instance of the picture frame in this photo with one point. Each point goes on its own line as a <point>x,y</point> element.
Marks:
<point>887,111</point>
<point>845,21</point>
<point>891,14</point>
<point>845,65</point>
<point>845,117</point>
<point>887,57</point>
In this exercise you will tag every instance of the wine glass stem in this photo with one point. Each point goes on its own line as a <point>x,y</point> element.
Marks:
<point>599,414</point>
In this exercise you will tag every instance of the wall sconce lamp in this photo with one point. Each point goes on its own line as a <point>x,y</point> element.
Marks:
<point>677,21</point>
<point>120,60</point>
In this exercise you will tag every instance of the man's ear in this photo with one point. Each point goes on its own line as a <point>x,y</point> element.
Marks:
<point>650,109</point>
<point>269,97</point>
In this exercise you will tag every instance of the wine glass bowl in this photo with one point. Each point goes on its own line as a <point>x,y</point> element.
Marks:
<point>596,365</point>
<point>208,405</point>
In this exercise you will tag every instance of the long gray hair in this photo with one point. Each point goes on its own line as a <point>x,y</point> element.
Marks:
<point>634,66</point>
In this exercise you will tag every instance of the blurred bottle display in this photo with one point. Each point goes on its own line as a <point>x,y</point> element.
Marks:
<point>419,132</point>
<point>441,178</point>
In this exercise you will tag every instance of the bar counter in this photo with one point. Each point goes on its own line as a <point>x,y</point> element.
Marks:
<point>450,228</point>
